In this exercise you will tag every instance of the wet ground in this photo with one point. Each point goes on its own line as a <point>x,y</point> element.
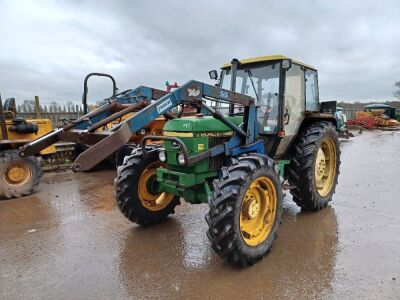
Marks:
<point>69,241</point>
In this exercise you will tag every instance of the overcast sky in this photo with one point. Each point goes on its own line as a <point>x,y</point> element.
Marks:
<point>47,47</point>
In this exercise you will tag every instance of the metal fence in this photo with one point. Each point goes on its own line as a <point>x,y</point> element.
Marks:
<point>351,112</point>
<point>57,112</point>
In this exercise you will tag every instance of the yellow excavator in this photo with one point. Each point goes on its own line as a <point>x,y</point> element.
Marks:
<point>19,176</point>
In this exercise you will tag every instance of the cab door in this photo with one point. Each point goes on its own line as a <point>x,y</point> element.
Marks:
<point>294,108</point>
<point>312,95</point>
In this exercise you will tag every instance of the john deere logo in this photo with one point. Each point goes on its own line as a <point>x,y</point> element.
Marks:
<point>193,92</point>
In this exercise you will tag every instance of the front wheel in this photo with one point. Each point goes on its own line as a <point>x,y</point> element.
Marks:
<point>245,210</point>
<point>136,189</point>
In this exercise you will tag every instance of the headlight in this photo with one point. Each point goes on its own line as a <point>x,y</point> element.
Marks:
<point>161,156</point>
<point>181,159</point>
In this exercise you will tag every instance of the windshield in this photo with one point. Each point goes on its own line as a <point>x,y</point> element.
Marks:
<point>265,91</point>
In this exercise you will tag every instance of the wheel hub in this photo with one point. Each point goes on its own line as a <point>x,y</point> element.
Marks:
<point>325,167</point>
<point>17,174</point>
<point>321,163</point>
<point>258,211</point>
<point>147,190</point>
<point>253,208</point>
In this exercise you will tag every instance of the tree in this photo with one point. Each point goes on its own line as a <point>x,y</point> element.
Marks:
<point>53,107</point>
<point>28,105</point>
<point>397,91</point>
<point>70,105</point>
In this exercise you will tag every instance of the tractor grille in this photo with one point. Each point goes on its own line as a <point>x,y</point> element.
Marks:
<point>215,141</point>
<point>218,161</point>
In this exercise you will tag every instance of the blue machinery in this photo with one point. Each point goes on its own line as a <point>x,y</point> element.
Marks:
<point>192,93</point>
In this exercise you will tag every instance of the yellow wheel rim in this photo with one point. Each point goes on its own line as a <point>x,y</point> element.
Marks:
<point>151,201</point>
<point>17,174</point>
<point>325,167</point>
<point>258,211</point>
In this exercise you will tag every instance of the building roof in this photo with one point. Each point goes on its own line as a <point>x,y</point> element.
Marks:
<point>265,59</point>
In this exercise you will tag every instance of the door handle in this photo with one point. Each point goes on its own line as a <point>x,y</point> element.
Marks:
<point>287,116</point>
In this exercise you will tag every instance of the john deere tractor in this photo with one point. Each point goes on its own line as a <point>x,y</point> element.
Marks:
<point>19,176</point>
<point>260,130</point>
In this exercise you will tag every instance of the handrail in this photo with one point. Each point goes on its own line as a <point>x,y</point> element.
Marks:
<point>85,88</point>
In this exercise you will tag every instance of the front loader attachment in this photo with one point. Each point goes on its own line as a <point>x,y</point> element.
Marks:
<point>103,149</point>
<point>104,143</point>
<point>91,128</point>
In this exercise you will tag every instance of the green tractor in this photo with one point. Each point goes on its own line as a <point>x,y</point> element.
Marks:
<point>264,131</point>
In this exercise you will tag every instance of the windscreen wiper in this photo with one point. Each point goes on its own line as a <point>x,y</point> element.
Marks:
<point>252,83</point>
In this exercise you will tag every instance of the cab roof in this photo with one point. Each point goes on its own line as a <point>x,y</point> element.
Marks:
<point>266,58</point>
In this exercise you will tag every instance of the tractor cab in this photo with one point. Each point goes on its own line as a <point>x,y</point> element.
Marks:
<point>284,90</point>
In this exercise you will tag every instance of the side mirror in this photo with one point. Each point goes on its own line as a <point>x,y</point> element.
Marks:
<point>213,74</point>
<point>286,64</point>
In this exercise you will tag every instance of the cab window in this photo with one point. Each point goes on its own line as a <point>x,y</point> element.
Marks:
<point>312,97</point>
<point>261,83</point>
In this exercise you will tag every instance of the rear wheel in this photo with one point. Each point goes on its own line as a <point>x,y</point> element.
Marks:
<point>245,210</point>
<point>314,168</point>
<point>20,176</point>
<point>136,189</point>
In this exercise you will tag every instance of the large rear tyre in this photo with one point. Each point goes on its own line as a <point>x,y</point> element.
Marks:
<point>245,210</point>
<point>136,193</point>
<point>19,176</point>
<point>314,168</point>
